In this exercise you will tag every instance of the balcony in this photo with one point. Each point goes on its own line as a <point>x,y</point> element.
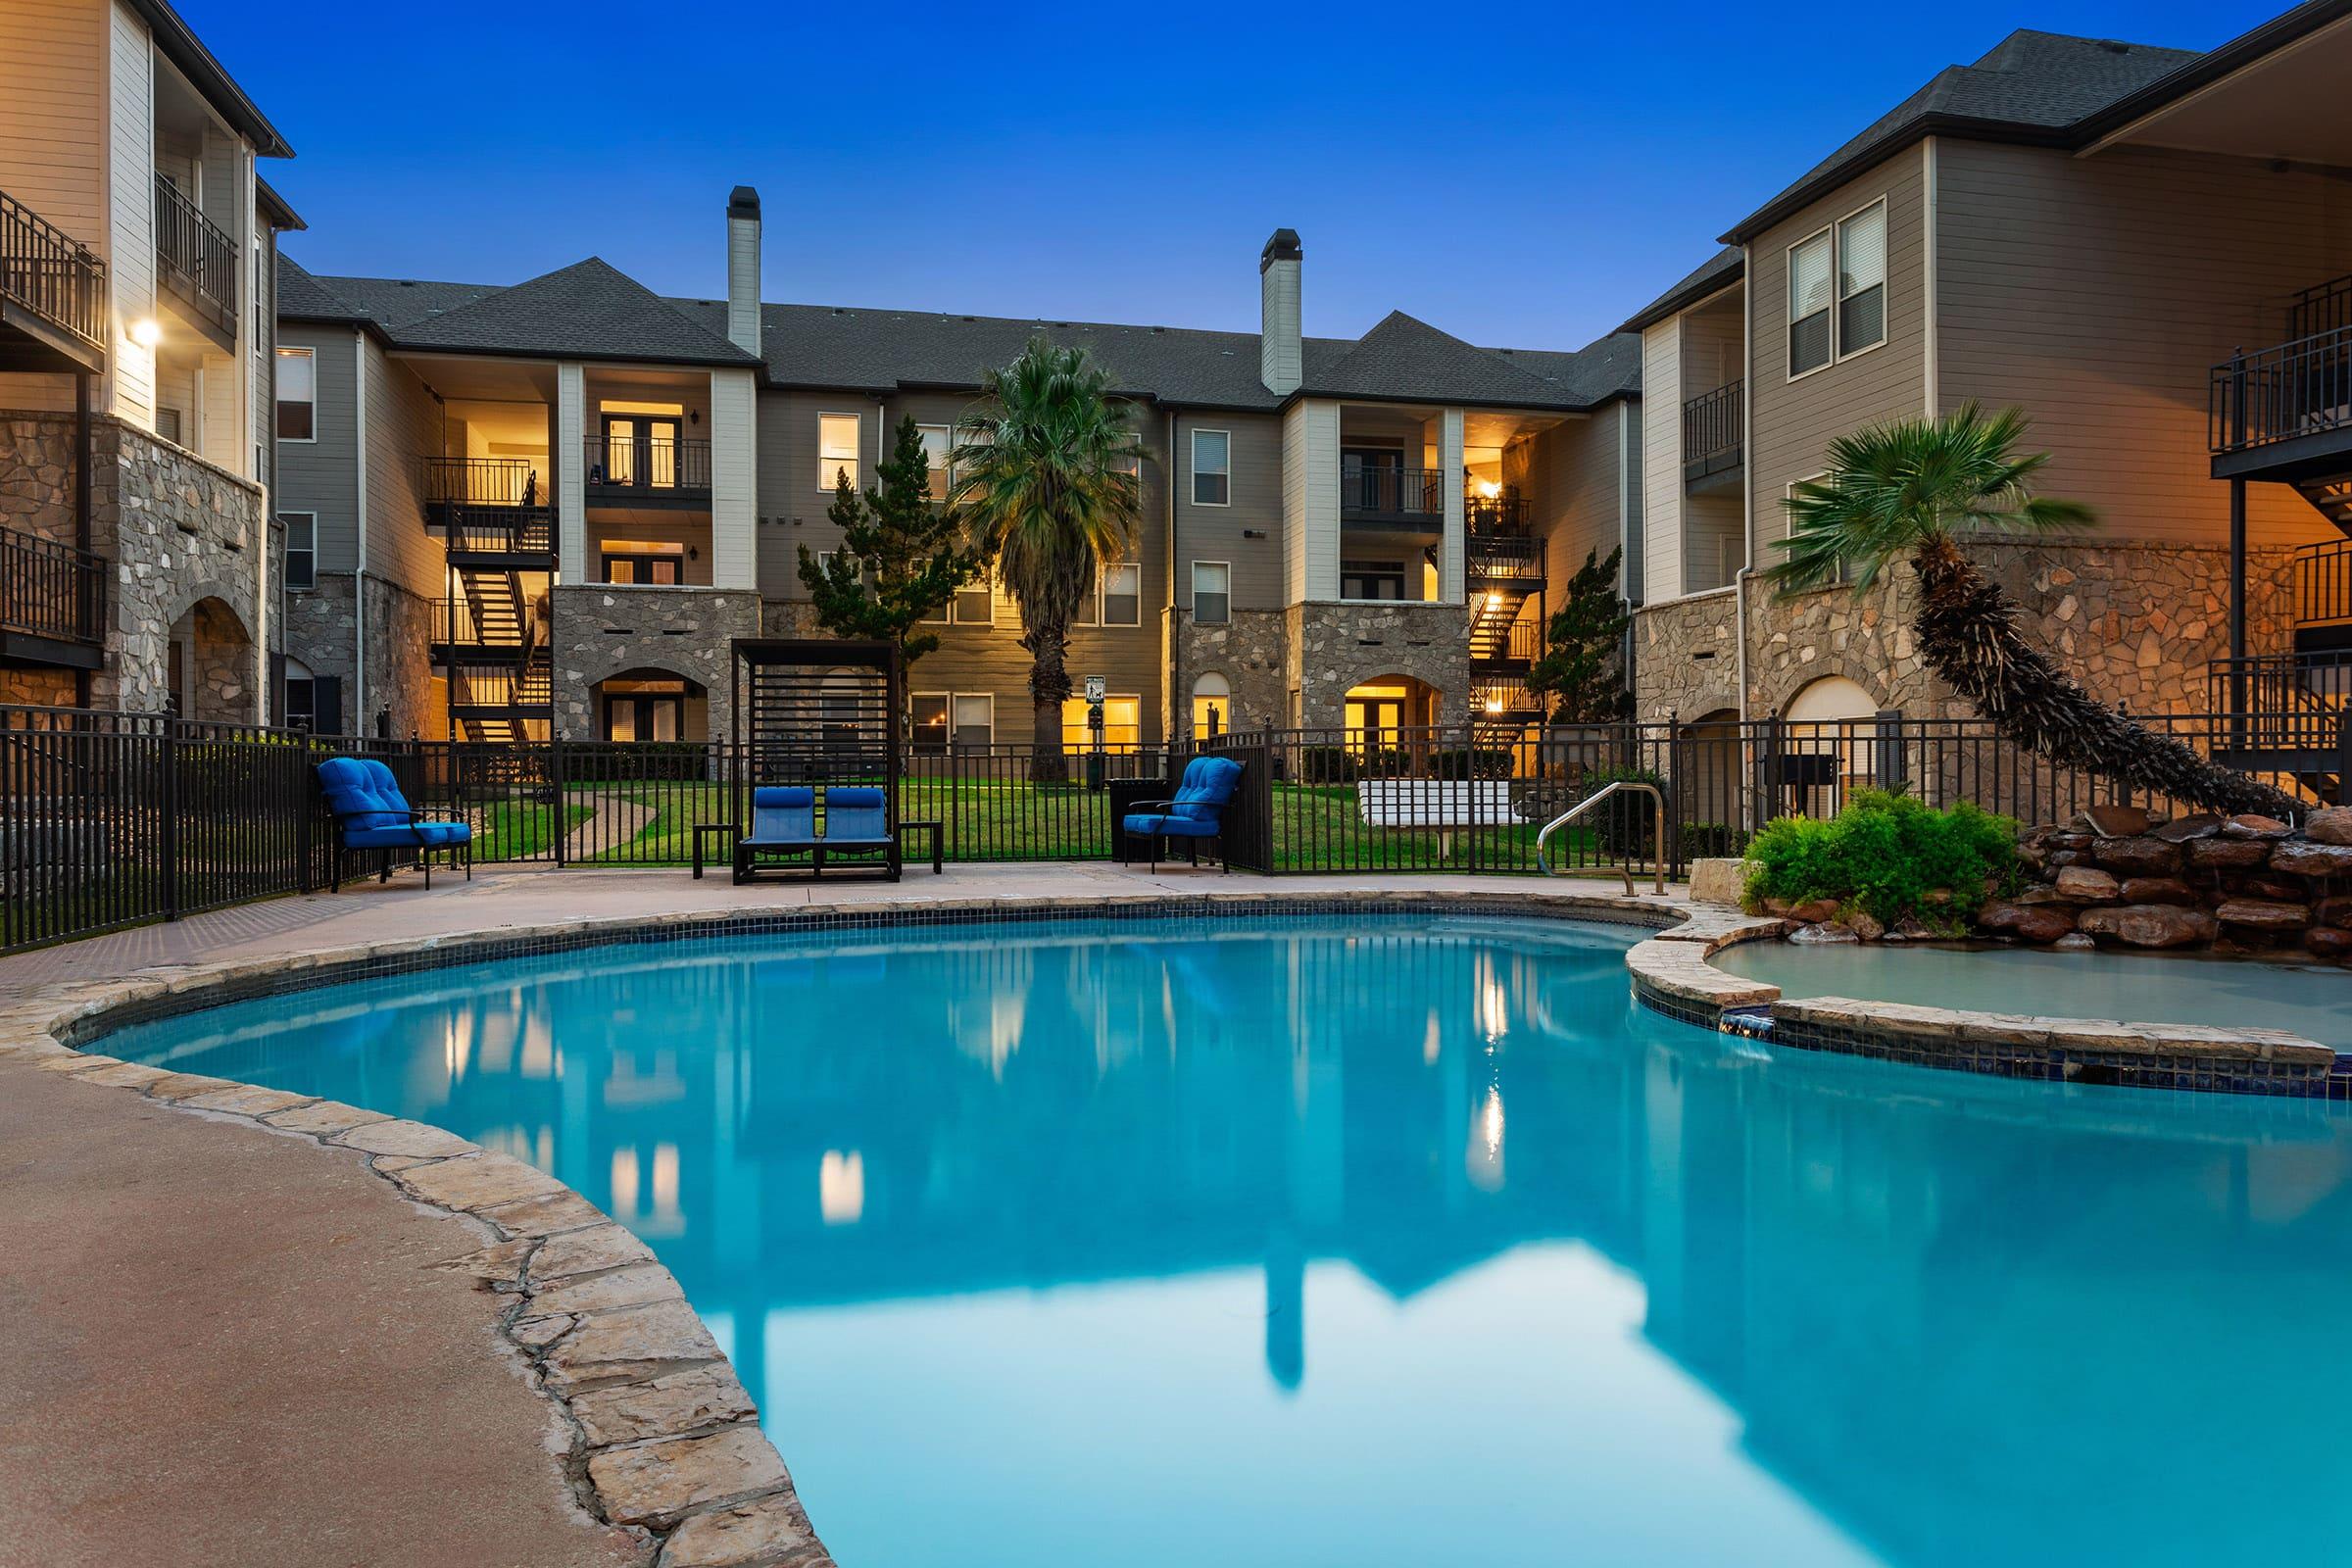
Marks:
<point>2324,584</point>
<point>196,262</point>
<point>646,472</point>
<point>1506,513</point>
<point>1505,557</point>
<point>52,295</point>
<point>1714,435</point>
<point>2284,413</point>
<point>52,603</point>
<point>489,510</point>
<point>1412,499</point>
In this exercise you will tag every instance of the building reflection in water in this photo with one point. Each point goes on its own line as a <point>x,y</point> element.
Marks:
<point>1952,1313</point>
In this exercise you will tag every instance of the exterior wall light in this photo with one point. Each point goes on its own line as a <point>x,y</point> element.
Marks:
<point>146,332</point>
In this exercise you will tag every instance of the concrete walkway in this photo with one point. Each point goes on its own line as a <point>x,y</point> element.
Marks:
<point>225,1346</point>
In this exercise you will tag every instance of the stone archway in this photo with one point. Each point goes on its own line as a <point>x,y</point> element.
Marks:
<point>646,704</point>
<point>211,665</point>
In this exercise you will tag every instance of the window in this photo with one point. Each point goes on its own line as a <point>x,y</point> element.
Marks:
<point>643,710</point>
<point>644,567</point>
<point>1809,346</point>
<point>1371,579</point>
<point>1122,723</point>
<point>1862,281</point>
<point>1123,594</point>
<point>975,603</point>
<point>930,714</point>
<point>297,395</point>
<point>302,548</point>
<point>1212,593</point>
<point>938,442</point>
<point>975,721</point>
<point>302,697</point>
<point>836,450</point>
<point>1212,706</point>
<point>1212,468</point>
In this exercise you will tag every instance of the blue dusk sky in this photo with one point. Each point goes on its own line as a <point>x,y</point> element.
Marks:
<point>1527,176</point>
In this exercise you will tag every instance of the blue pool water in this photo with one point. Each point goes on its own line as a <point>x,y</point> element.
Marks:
<point>1301,1242</point>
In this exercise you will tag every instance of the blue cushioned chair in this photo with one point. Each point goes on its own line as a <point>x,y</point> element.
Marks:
<point>1196,813</point>
<point>370,813</point>
<point>784,823</point>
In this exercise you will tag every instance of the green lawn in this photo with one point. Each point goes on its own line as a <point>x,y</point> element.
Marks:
<point>1316,827</point>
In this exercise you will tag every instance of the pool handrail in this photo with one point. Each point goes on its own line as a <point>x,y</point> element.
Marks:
<point>1658,845</point>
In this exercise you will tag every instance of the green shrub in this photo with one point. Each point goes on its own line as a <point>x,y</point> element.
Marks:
<point>1711,841</point>
<point>1325,765</point>
<point>1885,854</point>
<point>1473,762</point>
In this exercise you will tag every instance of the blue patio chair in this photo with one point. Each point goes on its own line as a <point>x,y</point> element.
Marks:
<point>1196,814</point>
<point>784,823</point>
<point>371,814</point>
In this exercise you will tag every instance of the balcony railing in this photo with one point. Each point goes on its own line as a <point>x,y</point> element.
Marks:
<point>1503,513</point>
<point>51,590</point>
<point>2324,583</point>
<point>1508,556</point>
<point>493,623</point>
<point>198,261</point>
<point>644,463</point>
<point>2321,307</point>
<point>518,531</point>
<point>1392,493</point>
<point>51,273</point>
<point>1714,426</point>
<point>478,481</point>
<point>2281,702</point>
<point>2296,389</point>
<point>503,686</point>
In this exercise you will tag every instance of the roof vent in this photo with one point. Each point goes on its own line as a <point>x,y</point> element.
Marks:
<point>2114,47</point>
<point>408,282</point>
<point>971,318</point>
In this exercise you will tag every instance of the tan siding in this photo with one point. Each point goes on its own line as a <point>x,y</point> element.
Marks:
<point>404,423</point>
<point>1792,422</point>
<point>1215,533</point>
<point>1571,481</point>
<point>1662,461</point>
<point>130,214</point>
<point>53,113</point>
<point>319,475</point>
<point>2098,293</point>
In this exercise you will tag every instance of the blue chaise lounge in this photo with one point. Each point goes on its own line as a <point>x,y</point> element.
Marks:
<point>784,823</point>
<point>1196,813</point>
<point>371,814</point>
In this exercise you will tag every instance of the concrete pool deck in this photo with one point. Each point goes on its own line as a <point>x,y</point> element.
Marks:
<point>336,1338</point>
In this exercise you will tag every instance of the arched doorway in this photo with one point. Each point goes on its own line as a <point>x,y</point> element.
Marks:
<point>652,705</point>
<point>1377,714</point>
<point>210,674</point>
<point>1829,745</point>
<point>1212,706</point>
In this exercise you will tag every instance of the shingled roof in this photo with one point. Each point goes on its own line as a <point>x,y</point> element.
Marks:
<point>2031,87</point>
<point>592,311</point>
<point>1716,272</point>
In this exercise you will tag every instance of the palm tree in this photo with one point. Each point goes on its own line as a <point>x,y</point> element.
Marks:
<point>1917,489</point>
<point>1047,480</point>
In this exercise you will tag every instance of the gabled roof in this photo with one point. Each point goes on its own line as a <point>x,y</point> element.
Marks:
<point>2031,87</point>
<point>587,311</point>
<point>1719,271</point>
<point>394,302</point>
<point>180,45</point>
<point>1403,360</point>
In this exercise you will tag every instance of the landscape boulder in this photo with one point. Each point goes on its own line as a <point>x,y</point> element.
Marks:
<point>2229,854</point>
<point>2183,830</point>
<point>2151,925</point>
<point>2254,826</point>
<point>2158,889</point>
<point>2086,885</point>
<point>2330,942</point>
<point>2263,914</point>
<point>2138,857</point>
<point>2033,922</point>
<point>2331,826</point>
<point>2306,857</point>
<point>2117,821</point>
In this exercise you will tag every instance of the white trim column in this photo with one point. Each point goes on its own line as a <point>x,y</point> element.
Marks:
<point>572,489</point>
<point>734,480</point>
<point>1453,550</point>
<point>1310,501</point>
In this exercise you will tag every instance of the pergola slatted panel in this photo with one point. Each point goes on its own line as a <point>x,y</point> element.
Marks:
<point>818,712</point>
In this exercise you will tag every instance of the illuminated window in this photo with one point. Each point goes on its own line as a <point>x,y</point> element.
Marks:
<point>1122,723</point>
<point>1212,706</point>
<point>297,395</point>
<point>836,450</point>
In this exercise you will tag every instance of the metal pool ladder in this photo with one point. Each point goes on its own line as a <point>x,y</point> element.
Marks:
<point>1657,799</point>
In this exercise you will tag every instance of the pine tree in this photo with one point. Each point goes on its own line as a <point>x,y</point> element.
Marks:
<point>1583,658</point>
<point>903,555</point>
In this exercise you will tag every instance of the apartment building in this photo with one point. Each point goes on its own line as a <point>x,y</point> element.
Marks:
<point>2145,248</point>
<point>550,507</point>
<point>138,282</point>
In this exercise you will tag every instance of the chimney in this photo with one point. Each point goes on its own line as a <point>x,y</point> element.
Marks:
<point>743,268</point>
<point>1278,352</point>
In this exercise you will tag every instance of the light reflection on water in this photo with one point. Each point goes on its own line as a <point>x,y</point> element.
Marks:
<point>1367,1242</point>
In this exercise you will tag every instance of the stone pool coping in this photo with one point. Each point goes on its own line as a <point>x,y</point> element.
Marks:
<point>665,1438</point>
<point>1671,975</point>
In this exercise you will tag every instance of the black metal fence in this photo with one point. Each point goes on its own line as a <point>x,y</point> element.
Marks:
<point>51,590</point>
<point>108,819</point>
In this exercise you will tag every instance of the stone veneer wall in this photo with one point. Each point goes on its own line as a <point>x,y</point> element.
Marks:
<point>2135,623</point>
<point>602,629</point>
<point>320,630</point>
<point>1333,648</point>
<point>37,688</point>
<point>176,530</point>
<point>1252,653</point>
<point>400,661</point>
<point>1687,657</point>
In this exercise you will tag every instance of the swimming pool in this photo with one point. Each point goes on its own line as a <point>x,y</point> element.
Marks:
<point>1379,1240</point>
<point>2311,1000</point>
